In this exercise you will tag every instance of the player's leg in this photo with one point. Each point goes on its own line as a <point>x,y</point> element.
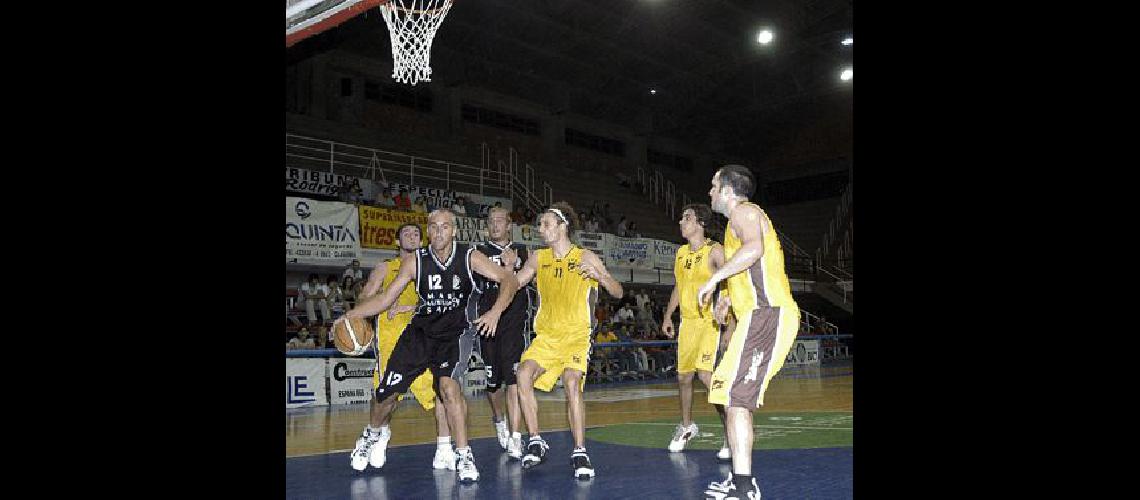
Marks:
<point>528,374</point>
<point>755,353</point>
<point>449,364</point>
<point>572,381</point>
<point>725,452</point>
<point>409,358</point>
<point>489,347</point>
<point>444,451</point>
<point>511,343</point>
<point>687,352</point>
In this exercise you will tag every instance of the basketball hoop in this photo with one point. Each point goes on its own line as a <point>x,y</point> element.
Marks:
<point>411,27</point>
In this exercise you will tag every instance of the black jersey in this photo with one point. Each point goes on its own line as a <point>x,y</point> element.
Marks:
<point>444,289</point>
<point>489,290</point>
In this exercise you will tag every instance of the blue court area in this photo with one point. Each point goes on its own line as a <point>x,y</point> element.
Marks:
<point>622,472</point>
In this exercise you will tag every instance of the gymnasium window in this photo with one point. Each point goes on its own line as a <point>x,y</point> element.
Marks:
<point>682,163</point>
<point>499,119</point>
<point>595,142</point>
<point>419,99</point>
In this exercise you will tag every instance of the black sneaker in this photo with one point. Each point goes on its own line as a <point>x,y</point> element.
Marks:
<point>582,467</point>
<point>535,452</point>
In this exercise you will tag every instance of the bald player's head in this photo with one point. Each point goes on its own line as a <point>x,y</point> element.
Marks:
<point>441,228</point>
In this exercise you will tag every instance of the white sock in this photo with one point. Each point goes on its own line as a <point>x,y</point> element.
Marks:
<point>466,450</point>
<point>579,449</point>
<point>373,431</point>
<point>516,435</point>
<point>443,442</point>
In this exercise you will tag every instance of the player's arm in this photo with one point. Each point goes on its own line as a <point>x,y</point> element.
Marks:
<point>667,321</point>
<point>378,303</point>
<point>375,280</point>
<point>593,267</point>
<point>723,302</point>
<point>530,267</point>
<point>748,226</point>
<point>508,285</point>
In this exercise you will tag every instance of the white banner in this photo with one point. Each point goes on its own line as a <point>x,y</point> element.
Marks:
<point>299,180</point>
<point>633,253</point>
<point>664,254</point>
<point>433,197</point>
<point>326,232</point>
<point>599,243</point>
<point>305,382</point>
<point>350,380</point>
<point>804,352</point>
<point>470,229</point>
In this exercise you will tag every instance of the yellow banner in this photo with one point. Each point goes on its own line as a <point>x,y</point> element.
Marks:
<point>378,226</point>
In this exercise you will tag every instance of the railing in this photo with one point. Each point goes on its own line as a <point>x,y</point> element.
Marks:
<point>807,320</point>
<point>838,222</point>
<point>323,155</point>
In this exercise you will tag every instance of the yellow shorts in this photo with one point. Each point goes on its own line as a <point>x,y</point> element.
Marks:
<point>422,387</point>
<point>697,340</point>
<point>754,355</point>
<point>558,354</point>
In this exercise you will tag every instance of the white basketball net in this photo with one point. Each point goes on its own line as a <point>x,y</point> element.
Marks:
<point>411,27</point>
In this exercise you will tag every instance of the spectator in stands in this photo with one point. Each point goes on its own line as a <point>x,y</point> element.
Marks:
<point>605,335</point>
<point>344,191</point>
<point>420,206</point>
<point>593,226</point>
<point>336,295</point>
<point>602,313</point>
<point>403,202</point>
<point>315,295</point>
<point>625,315</point>
<point>354,270</point>
<point>386,199</point>
<point>301,341</point>
<point>517,216</point>
<point>324,337</point>
<point>530,216</point>
<point>622,226</point>
<point>459,206</point>
<point>349,289</point>
<point>631,232</point>
<point>473,209</point>
<point>642,300</point>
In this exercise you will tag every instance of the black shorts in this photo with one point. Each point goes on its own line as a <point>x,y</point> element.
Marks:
<point>446,355</point>
<point>501,353</point>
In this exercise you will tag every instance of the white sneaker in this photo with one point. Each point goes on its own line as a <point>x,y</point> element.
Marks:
<point>514,448</point>
<point>682,436</point>
<point>724,453</point>
<point>379,453</point>
<point>363,449</point>
<point>466,466</point>
<point>444,458</point>
<point>503,433</point>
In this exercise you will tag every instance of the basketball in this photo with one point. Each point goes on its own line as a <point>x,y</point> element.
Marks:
<point>352,337</point>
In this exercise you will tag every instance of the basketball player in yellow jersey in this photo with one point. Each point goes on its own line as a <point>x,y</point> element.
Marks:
<point>699,335</point>
<point>389,326</point>
<point>568,278</point>
<point>767,320</point>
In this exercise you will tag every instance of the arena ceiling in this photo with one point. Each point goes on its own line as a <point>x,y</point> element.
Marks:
<point>716,86</point>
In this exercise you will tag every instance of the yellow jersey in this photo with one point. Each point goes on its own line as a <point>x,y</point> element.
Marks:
<point>566,298</point>
<point>691,271</point>
<point>764,284</point>
<point>408,297</point>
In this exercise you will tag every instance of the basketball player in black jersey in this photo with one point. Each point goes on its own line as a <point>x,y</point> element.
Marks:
<point>501,352</point>
<point>435,339</point>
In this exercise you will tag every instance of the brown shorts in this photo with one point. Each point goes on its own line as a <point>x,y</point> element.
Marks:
<point>756,352</point>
